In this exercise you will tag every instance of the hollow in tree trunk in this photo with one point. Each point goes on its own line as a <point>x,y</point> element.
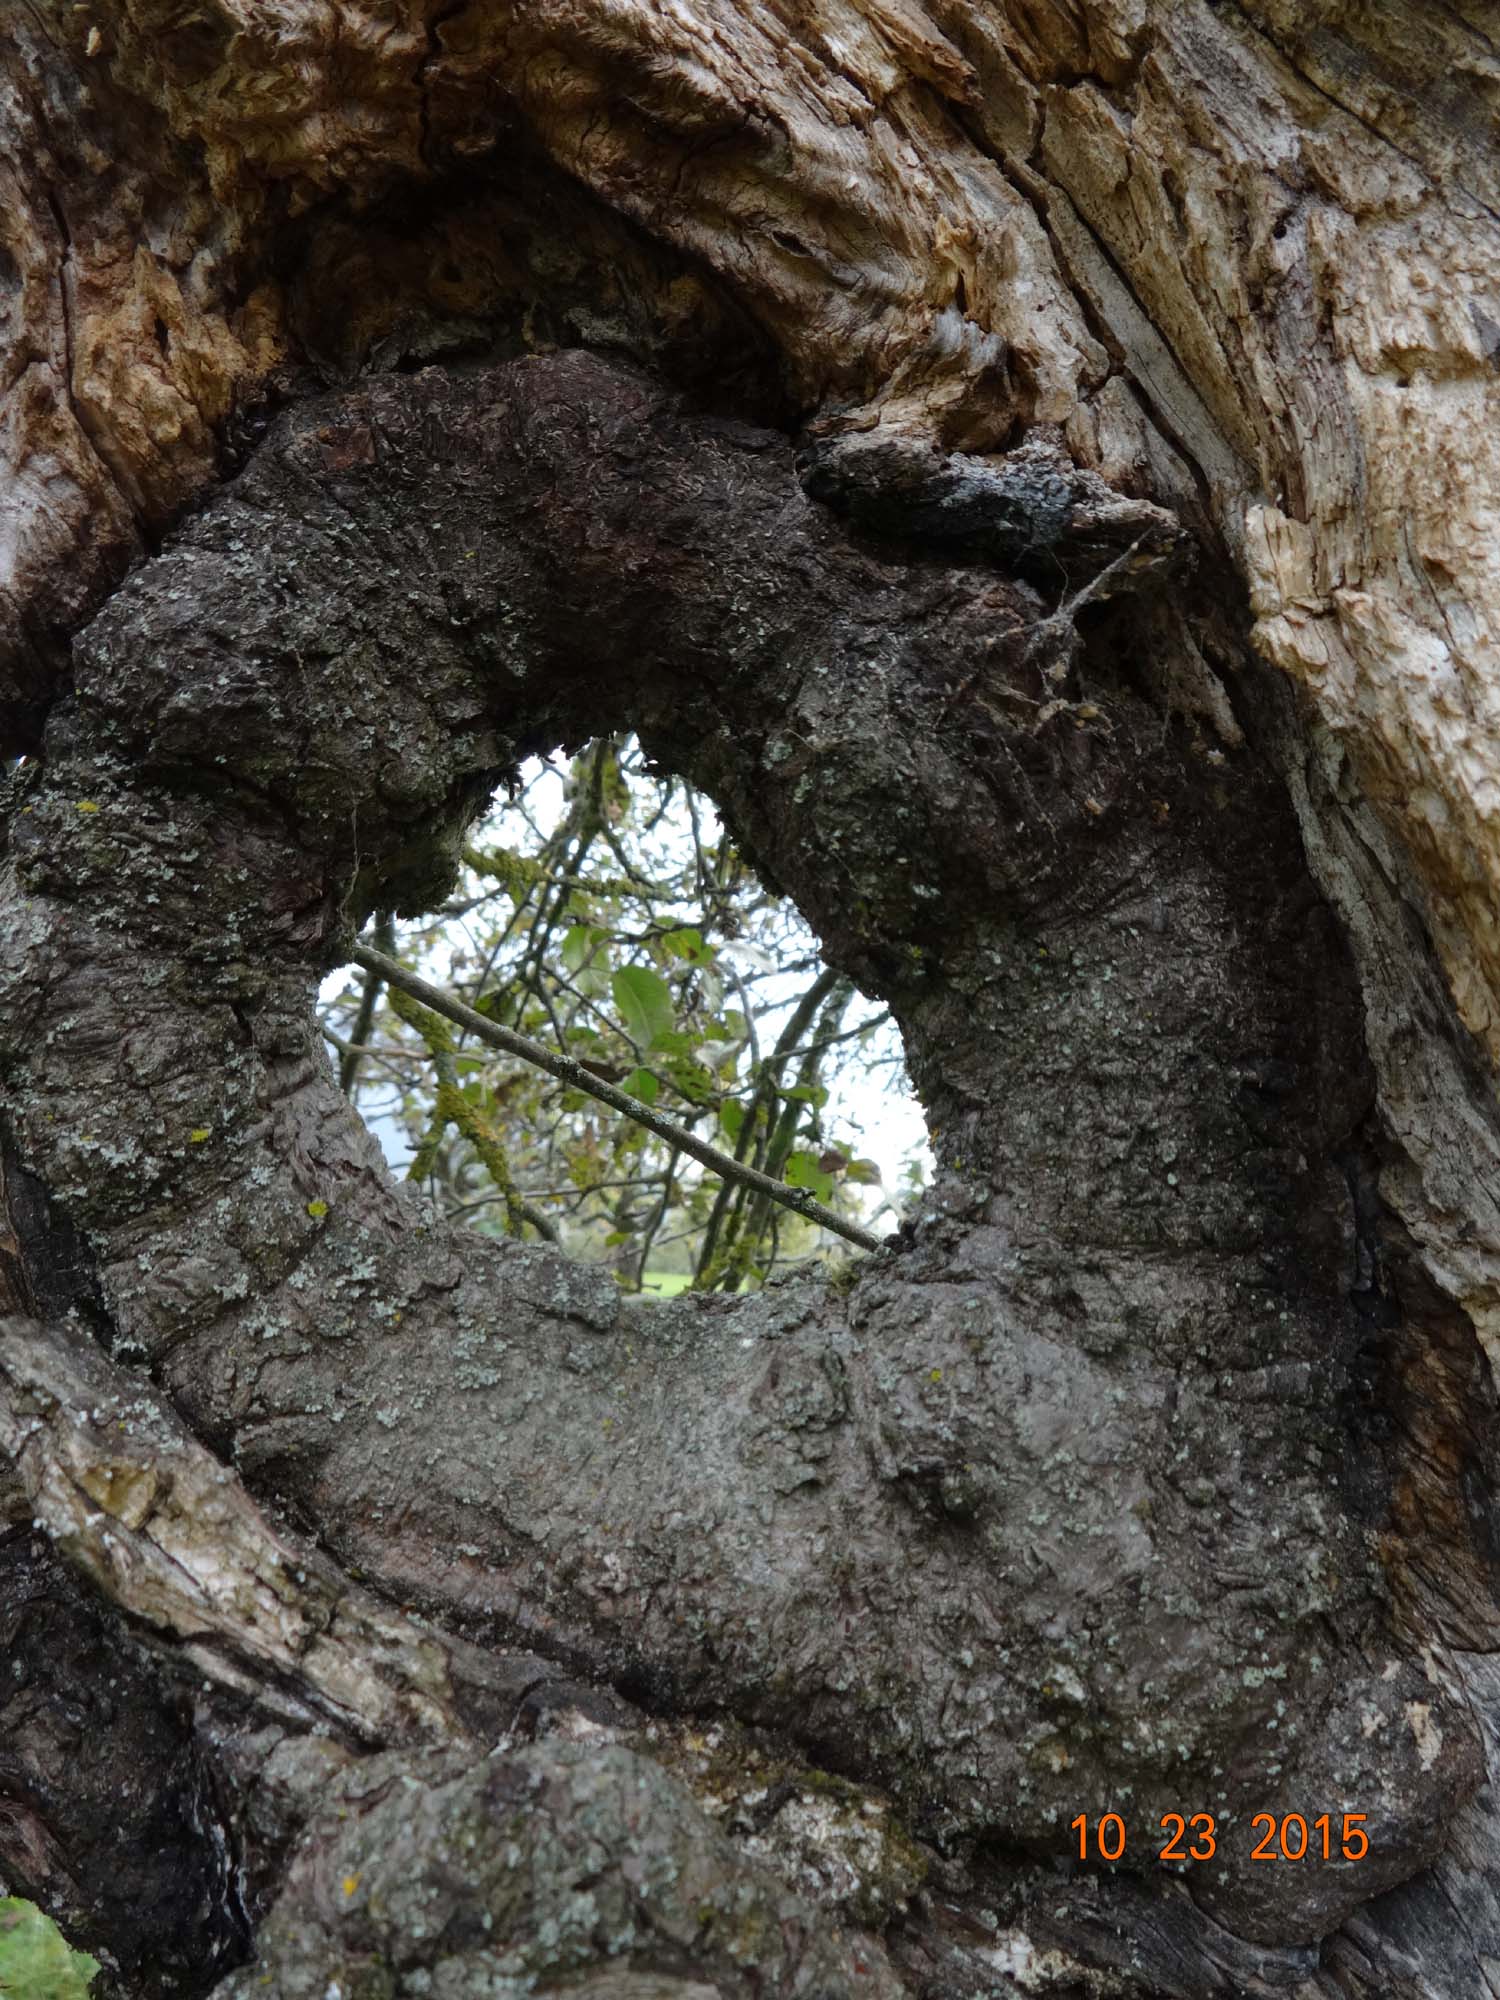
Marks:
<point>1030,465</point>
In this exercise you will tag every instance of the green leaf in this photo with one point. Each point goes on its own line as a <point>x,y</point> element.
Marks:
<point>865,1173</point>
<point>804,1093</point>
<point>687,944</point>
<point>580,944</point>
<point>732,1117</point>
<point>644,1000</point>
<point>691,1078</point>
<point>35,1961</point>
<point>642,1084</point>
<point>803,1171</point>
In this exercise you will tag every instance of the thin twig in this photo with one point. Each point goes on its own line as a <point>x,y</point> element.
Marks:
<point>572,1073</point>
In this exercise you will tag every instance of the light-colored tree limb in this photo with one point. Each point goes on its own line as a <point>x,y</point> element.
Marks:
<point>170,1535</point>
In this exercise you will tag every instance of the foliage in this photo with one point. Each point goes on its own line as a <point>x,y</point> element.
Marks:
<point>604,912</point>
<point>36,1963</point>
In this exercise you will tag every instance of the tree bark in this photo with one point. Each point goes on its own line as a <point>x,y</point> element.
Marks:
<point>1026,463</point>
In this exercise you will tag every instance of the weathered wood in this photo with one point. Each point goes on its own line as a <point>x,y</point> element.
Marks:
<point>1246,265</point>
<point>1091,1467</point>
<point>302,1667</point>
<point>1052,290</point>
<point>170,1534</point>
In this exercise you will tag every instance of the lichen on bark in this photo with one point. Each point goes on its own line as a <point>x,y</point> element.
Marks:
<point>1072,1493</point>
<point>1172,1396</point>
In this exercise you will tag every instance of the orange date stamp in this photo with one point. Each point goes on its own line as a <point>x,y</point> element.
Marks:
<point>1195,1837</point>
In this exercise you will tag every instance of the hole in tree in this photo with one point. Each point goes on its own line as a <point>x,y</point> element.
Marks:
<point>604,912</point>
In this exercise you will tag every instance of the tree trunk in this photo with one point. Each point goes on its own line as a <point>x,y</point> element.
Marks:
<point>1029,463</point>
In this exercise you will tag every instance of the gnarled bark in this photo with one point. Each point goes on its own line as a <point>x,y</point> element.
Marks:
<point>1244,261</point>
<point>1090,1470</point>
<point>1157,1464</point>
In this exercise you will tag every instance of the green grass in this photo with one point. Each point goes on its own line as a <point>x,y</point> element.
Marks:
<point>665,1284</point>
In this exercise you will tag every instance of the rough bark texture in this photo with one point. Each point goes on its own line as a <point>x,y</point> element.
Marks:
<point>1093,1466</point>
<point>1244,257</point>
<point>1155,1468</point>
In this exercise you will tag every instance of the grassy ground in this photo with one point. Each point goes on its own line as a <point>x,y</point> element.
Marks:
<point>665,1284</point>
